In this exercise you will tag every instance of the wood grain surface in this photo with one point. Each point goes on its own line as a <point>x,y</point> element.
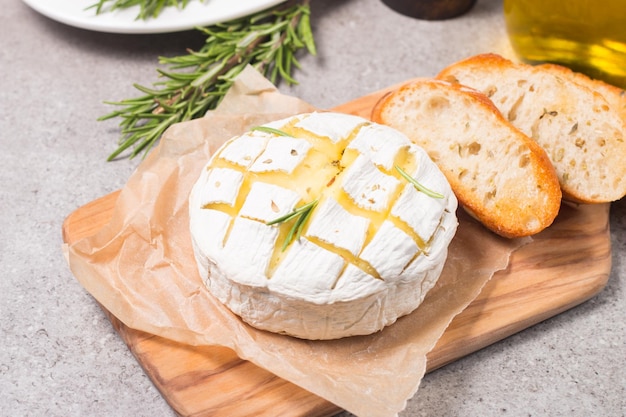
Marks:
<point>564,266</point>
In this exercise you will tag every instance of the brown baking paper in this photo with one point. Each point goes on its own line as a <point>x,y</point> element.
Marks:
<point>141,268</point>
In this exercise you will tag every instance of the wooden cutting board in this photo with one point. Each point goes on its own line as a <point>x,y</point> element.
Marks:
<point>564,266</point>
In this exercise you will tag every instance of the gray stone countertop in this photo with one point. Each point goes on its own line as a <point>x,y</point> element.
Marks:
<point>59,355</point>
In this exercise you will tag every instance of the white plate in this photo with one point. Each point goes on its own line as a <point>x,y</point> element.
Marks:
<point>197,13</point>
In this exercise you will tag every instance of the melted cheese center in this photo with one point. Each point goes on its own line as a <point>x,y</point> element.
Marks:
<point>323,174</point>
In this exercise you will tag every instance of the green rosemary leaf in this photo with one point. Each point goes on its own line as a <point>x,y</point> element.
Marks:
<point>288,239</point>
<point>196,82</point>
<point>303,219</point>
<point>209,75</point>
<point>296,212</point>
<point>301,214</point>
<point>305,33</point>
<point>268,129</point>
<point>147,8</point>
<point>417,185</point>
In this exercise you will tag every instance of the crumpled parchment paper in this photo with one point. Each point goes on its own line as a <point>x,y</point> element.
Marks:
<point>140,267</point>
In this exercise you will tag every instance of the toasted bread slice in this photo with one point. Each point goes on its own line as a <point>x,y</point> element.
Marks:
<point>582,133</point>
<point>499,175</point>
<point>615,96</point>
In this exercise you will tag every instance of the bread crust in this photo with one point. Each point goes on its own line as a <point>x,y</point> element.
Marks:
<point>566,113</point>
<point>489,181</point>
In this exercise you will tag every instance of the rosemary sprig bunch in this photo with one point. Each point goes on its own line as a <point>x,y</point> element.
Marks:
<point>147,8</point>
<point>196,82</point>
<point>301,214</point>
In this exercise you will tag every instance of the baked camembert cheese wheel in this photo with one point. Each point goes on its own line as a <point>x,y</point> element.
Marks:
<point>321,226</point>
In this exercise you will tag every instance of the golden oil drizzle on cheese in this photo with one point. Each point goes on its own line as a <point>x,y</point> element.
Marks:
<point>347,256</point>
<point>310,179</point>
<point>319,176</point>
<point>406,160</point>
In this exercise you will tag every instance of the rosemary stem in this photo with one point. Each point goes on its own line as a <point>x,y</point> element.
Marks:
<point>267,40</point>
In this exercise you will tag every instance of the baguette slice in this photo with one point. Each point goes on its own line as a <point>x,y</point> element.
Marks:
<point>499,175</point>
<point>581,132</point>
<point>615,96</point>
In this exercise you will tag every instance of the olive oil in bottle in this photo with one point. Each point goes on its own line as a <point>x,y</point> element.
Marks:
<point>588,36</point>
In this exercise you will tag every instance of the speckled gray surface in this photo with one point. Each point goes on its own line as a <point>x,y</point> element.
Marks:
<point>59,354</point>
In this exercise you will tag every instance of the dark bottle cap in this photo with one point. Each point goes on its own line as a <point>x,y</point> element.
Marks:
<point>430,9</point>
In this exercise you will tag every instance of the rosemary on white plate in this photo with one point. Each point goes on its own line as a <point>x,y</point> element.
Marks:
<point>196,82</point>
<point>147,8</point>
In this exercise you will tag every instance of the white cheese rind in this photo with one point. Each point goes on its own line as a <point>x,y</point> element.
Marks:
<point>317,290</point>
<point>246,149</point>
<point>334,126</point>
<point>307,268</point>
<point>212,241</point>
<point>421,212</point>
<point>417,209</point>
<point>247,251</point>
<point>221,185</point>
<point>336,226</point>
<point>370,188</point>
<point>381,144</point>
<point>267,202</point>
<point>390,251</point>
<point>281,154</point>
<point>357,283</point>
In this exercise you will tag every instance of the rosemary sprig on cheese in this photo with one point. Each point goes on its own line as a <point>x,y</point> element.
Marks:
<point>302,214</point>
<point>147,8</point>
<point>268,129</point>
<point>197,82</point>
<point>417,185</point>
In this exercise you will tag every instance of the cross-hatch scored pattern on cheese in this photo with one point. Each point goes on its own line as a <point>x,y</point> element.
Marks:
<point>264,175</point>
